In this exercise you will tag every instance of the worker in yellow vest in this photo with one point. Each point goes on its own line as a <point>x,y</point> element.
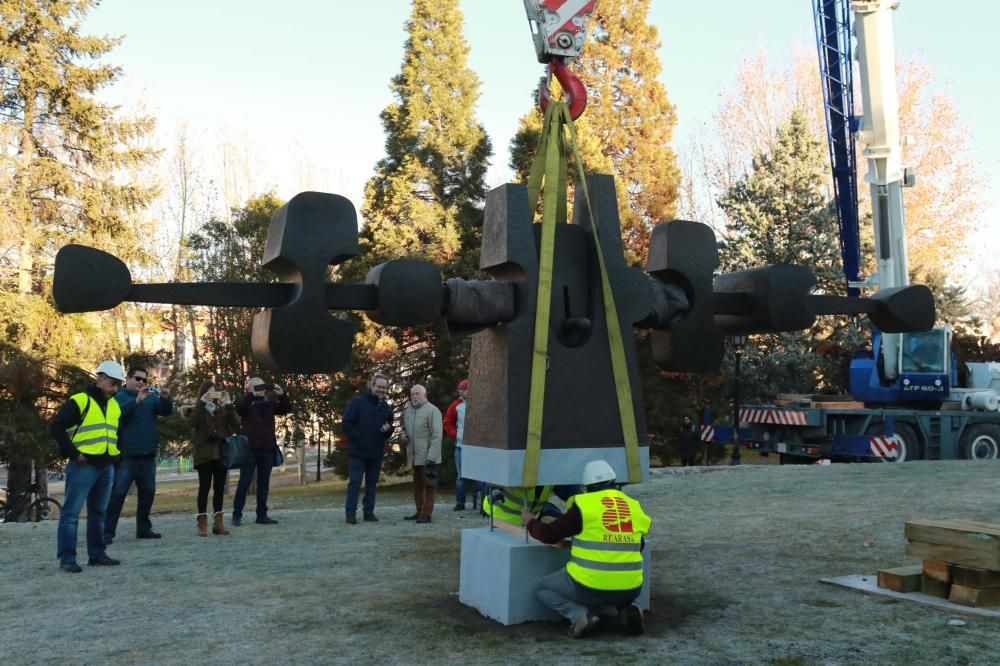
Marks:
<point>507,504</point>
<point>86,430</point>
<point>604,574</point>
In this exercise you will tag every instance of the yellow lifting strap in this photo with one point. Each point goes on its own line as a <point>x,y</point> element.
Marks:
<point>549,164</point>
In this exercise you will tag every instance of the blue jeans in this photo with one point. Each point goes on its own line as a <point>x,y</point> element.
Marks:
<point>142,470</point>
<point>562,594</point>
<point>263,461</point>
<point>478,488</point>
<point>90,484</point>
<point>370,470</point>
<point>459,481</point>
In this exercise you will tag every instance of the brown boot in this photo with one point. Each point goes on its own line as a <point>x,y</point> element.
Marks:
<point>217,528</point>
<point>203,524</point>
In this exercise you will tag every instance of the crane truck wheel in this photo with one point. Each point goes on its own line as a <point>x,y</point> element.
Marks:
<point>980,442</point>
<point>905,442</point>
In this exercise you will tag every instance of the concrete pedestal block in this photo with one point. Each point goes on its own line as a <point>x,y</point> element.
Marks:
<point>500,571</point>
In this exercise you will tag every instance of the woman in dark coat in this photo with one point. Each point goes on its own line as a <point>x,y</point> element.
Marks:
<point>212,419</point>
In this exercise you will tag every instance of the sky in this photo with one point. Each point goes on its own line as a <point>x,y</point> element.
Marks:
<point>306,82</point>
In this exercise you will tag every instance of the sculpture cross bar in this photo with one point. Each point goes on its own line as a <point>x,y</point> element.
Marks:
<point>687,306</point>
<point>296,332</point>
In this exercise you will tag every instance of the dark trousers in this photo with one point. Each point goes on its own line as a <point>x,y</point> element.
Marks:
<point>565,596</point>
<point>423,492</point>
<point>141,470</point>
<point>356,469</point>
<point>263,461</point>
<point>211,474</point>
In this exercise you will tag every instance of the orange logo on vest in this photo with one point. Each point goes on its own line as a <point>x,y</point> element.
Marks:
<point>617,517</point>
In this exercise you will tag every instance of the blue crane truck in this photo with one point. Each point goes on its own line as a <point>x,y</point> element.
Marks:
<point>909,397</point>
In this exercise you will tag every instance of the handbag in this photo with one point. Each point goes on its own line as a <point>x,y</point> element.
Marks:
<point>236,452</point>
<point>278,457</point>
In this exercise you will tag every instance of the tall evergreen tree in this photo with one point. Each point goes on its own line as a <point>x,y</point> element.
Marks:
<point>781,213</point>
<point>425,199</point>
<point>426,195</point>
<point>63,151</point>
<point>65,146</point>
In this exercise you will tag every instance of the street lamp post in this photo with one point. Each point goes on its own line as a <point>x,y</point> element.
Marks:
<point>738,341</point>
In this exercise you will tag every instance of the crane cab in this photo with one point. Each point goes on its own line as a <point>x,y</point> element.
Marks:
<point>926,370</point>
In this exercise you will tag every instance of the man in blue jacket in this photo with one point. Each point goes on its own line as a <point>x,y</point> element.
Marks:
<point>367,424</point>
<point>137,441</point>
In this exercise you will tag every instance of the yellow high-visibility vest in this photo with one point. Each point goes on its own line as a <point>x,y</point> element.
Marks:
<point>508,508</point>
<point>606,554</point>
<point>98,432</point>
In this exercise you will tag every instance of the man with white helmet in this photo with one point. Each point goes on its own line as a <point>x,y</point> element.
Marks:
<point>86,430</point>
<point>604,574</point>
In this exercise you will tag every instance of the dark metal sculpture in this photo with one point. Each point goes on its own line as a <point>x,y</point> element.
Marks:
<point>688,309</point>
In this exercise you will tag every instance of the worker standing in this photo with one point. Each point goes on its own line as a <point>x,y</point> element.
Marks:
<point>604,574</point>
<point>86,430</point>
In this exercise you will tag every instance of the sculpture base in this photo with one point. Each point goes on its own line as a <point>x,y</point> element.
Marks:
<point>502,467</point>
<point>500,571</point>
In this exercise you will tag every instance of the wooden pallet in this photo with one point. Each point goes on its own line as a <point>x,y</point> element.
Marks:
<point>817,401</point>
<point>961,560</point>
<point>963,542</point>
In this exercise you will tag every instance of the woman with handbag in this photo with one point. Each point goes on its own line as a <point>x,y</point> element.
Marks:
<point>213,418</point>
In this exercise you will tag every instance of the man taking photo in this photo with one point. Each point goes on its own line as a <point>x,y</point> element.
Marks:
<point>137,441</point>
<point>257,412</point>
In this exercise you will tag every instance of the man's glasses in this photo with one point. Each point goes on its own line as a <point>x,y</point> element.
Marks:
<point>140,379</point>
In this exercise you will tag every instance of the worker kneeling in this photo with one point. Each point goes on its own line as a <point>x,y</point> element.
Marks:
<point>604,574</point>
<point>509,504</point>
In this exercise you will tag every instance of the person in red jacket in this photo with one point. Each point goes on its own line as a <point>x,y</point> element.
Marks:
<point>454,426</point>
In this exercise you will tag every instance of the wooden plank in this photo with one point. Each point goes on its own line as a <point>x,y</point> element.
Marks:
<point>838,405</point>
<point>937,570</point>
<point>972,577</point>
<point>520,531</point>
<point>956,524</point>
<point>901,579</point>
<point>817,401</point>
<point>964,535</point>
<point>934,588</point>
<point>963,556</point>
<point>975,597</point>
<point>867,584</point>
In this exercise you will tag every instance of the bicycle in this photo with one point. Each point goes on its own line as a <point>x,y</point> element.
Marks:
<point>29,506</point>
<point>56,473</point>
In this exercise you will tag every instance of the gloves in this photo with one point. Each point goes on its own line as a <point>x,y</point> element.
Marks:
<point>210,407</point>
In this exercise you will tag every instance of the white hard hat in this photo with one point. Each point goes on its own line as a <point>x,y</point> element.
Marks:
<point>597,471</point>
<point>111,369</point>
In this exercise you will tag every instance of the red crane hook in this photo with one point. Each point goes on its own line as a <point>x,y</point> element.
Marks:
<point>576,93</point>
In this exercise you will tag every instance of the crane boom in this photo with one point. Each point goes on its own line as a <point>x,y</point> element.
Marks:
<point>877,128</point>
<point>833,40</point>
<point>879,133</point>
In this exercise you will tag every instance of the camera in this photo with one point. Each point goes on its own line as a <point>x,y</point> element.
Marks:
<point>264,387</point>
<point>154,390</point>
